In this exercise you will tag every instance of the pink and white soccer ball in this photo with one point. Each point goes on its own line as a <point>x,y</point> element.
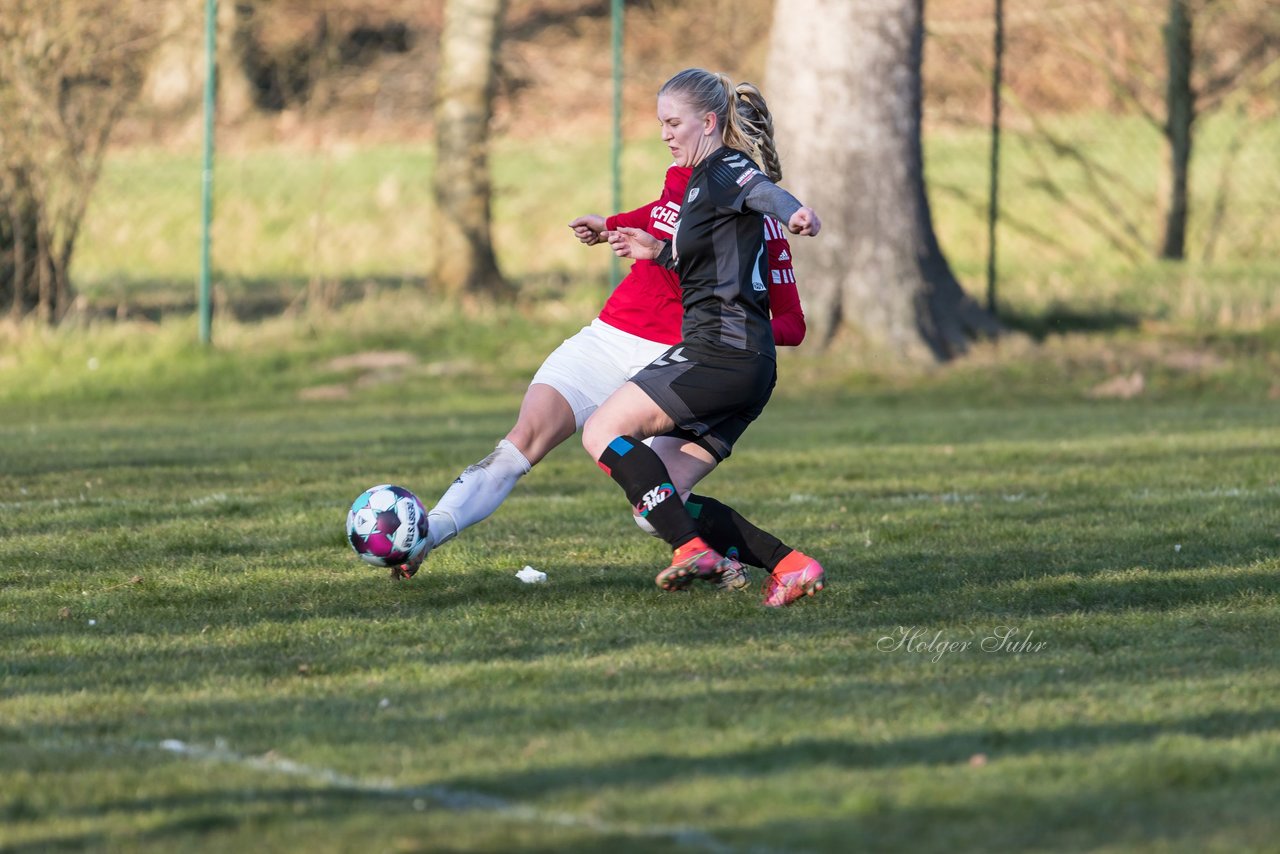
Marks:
<point>386,525</point>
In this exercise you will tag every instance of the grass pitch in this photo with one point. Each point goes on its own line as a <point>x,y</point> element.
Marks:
<point>1049,624</point>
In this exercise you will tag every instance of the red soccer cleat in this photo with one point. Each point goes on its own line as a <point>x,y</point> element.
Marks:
<point>797,575</point>
<point>695,560</point>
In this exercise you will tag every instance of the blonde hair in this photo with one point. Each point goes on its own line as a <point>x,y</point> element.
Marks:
<point>747,127</point>
<point>757,123</point>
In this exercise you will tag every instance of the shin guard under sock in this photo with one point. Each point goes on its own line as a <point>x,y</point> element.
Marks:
<point>645,480</point>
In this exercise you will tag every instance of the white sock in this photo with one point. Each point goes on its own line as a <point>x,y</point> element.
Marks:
<point>477,492</point>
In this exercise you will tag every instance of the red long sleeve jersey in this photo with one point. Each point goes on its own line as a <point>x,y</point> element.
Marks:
<point>647,301</point>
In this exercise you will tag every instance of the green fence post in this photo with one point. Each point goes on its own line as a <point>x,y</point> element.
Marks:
<point>206,214</point>
<point>993,199</point>
<point>615,268</point>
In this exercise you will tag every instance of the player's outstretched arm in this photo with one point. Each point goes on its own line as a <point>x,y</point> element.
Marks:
<point>805,221</point>
<point>766,197</point>
<point>634,243</point>
<point>589,229</point>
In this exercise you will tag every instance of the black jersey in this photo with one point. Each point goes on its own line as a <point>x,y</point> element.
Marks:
<point>720,257</point>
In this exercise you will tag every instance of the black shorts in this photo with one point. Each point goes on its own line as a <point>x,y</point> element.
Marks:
<point>711,393</point>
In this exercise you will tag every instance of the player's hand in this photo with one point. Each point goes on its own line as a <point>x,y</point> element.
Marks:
<point>588,229</point>
<point>805,221</point>
<point>634,243</point>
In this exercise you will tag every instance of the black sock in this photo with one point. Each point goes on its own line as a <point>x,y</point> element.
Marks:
<point>641,474</point>
<point>724,528</point>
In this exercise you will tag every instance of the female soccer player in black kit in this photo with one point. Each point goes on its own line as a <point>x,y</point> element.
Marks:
<point>708,388</point>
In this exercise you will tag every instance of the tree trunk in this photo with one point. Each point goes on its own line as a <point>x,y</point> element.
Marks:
<point>465,263</point>
<point>844,83</point>
<point>1180,115</point>
<point>33,267</point>
<point>19,253</point>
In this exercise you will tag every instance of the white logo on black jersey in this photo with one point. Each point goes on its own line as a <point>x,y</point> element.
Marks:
<point>737,161</point>
<point>757,283</point>
<point>693,194</point>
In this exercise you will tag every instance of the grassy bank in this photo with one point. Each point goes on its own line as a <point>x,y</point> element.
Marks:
<point>289,218</point>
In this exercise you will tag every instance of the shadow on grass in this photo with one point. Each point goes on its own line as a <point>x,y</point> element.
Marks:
<point>61,842</point>
<point>245,299</point>
<point>1060,320</point>
<point>1206,808</point>
<point>950,749</point>
<point>218,816</point>
<point>1009,587</point>
<point>1164,802</point>
<point>257,298</point>
<point>1067,562</point>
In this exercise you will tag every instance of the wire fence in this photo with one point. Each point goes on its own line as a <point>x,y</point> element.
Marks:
<point>1086,168</point>
<point>328,187</point>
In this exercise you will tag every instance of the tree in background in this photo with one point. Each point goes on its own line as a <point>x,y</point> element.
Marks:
<point>1203,70</point>
<point>465,263</point>
<point>1215,57</point>
<point>1179,115</point>
<point>68,69</point>
<point>844,82</point>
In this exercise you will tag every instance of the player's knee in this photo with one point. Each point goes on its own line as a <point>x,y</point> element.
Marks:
<point>594,440</point>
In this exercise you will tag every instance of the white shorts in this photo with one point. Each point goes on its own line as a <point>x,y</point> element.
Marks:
<point>593,364</point>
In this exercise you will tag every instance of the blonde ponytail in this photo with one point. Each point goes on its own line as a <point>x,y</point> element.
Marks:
<point>735,133</point>
<point>757,126</point>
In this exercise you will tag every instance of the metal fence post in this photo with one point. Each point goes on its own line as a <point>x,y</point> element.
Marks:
<point>615,267</point>
<point>993,202</point>
<point>206,210</point>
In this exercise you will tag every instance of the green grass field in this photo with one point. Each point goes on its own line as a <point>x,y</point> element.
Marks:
<point>1052,606</point>
<point>194,660</point>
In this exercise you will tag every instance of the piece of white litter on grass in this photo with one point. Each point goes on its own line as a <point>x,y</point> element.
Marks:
<point>93,622</point>
<point>529,575</point>
<point>1178,547</point>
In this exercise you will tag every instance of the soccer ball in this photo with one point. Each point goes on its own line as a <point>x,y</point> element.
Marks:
<point>386,525</point>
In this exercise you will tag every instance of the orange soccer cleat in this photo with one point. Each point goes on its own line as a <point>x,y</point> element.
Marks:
<point>795,576</point>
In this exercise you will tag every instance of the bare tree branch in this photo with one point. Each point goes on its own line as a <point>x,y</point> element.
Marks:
<point>68,69</point>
